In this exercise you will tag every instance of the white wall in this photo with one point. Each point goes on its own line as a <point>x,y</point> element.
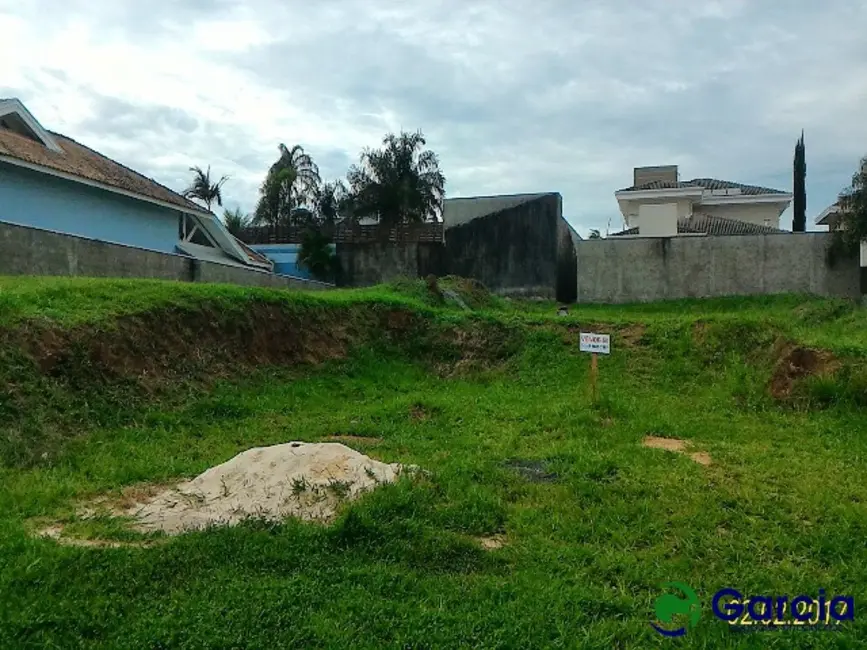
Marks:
<point>632,209</point>
<point>658,219</point>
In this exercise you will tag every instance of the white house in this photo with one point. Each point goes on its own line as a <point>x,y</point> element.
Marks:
<point>659,204</point>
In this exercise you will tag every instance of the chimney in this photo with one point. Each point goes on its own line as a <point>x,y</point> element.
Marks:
<point>666,173</point>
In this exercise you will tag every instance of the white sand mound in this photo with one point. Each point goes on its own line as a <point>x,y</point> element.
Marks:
<point>298,479</point>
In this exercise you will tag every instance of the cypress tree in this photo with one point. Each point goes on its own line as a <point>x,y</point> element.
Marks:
<point>799,221</point>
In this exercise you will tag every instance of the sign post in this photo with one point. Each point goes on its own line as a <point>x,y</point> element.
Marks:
<point>595,344</point>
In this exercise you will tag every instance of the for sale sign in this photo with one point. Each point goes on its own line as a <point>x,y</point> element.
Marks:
<point>596,343</point>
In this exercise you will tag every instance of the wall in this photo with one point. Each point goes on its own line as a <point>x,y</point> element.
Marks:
<point>513,252</point>
<point>631,209</point>
<point>31,251</point>
<point>374,263</point>
<point>42,201</point>
<point>658,219</point>
<point>762,214</point>
<point>639,270</point>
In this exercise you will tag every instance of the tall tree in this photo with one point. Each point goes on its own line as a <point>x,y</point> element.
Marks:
<point>399,183</point>
<point>291,183</point>
<point>853,211</point>
<point>203,189</point>
<point>799,220</point>
<point>331,202</point>
<point>236,220</point>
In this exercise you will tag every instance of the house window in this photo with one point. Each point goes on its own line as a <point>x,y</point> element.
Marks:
<point>192,232</point>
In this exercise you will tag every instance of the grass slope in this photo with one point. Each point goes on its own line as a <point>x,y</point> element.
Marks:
<point>780,511</point>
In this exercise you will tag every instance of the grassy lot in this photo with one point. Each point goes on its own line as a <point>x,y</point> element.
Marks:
<point>782,509</point>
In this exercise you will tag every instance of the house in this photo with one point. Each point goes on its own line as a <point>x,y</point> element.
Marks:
<point>51,182</point>
<point>659,204</point>
<point>830,217</point>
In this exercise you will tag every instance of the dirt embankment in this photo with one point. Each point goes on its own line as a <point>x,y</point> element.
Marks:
<point>58,381</point>
<point>795,363</point>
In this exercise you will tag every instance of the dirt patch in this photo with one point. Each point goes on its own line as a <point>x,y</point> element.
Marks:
<point>796,363</point>
<point>55,532</point>
<point>304,480</point>
<point>677,446</point>
<point>493,542</point>
<point>631,336</point>
<point>699,331</point>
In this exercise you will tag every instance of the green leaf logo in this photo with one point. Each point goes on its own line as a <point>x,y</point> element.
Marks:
<point>669,606</point>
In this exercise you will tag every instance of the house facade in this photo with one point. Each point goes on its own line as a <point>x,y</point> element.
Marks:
<point>659,204</point>
<point>51,182</point>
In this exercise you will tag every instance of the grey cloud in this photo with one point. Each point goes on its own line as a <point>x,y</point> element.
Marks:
<point>121,118</point>
<point>522,96</point>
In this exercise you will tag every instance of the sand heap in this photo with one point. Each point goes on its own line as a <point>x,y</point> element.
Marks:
<point>299,479</point>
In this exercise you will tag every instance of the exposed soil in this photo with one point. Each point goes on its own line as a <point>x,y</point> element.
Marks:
<point>297,479</point>
<point>55,532</point>
<point>631,335</point>
<point>677,446</point>
<point>493,542</point>
<point>796,363</point>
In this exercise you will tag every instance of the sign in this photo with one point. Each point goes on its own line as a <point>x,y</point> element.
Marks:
<point>595,343</point>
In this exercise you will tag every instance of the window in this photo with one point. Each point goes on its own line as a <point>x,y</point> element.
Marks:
<point>191,231</point>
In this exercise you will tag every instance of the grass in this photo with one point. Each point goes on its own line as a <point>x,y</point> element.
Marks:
<point>781,510</point>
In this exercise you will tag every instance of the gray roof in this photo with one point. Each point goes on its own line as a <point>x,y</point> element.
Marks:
<point>704,183</point>
<point>461,210</point>
<point>710,225</point>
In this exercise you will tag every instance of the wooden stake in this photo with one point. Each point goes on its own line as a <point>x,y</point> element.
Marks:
<point>594,372</point>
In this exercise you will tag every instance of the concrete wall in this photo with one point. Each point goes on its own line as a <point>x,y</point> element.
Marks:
<point>31,251</point>
<point>513,252</point>
<point>367,264</point>
<point>32,199</point>
<point>639,270</point>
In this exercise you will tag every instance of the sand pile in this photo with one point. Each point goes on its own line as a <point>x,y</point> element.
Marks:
<point>299,479</point>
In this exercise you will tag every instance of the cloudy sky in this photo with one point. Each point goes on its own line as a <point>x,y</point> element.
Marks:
<point>514,95</point>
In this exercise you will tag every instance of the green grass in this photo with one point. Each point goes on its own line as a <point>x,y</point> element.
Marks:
<point>782,509</point>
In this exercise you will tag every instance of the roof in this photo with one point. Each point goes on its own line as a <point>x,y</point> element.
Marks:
<point>458,211</point>
<point>710,225</point>
<point>346,234</point>
<point>79,161</point>
<point>828,214</point>
<point>705,183</point>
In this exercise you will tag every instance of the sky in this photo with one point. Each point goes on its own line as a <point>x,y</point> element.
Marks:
<point>513,95</point>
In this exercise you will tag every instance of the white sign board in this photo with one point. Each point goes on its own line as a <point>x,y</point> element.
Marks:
<point>598,343</point>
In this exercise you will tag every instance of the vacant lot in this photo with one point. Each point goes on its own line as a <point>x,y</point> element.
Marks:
<point>543,520</point>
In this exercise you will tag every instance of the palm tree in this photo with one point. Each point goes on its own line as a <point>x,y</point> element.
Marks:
<point>291,183</point>
<point>202,189</point>
<point>331,202</point>
<point>236,220</point>
<point>400,183</point>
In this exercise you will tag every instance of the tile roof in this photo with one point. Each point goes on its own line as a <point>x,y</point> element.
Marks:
<point>704,183</point>
<point>710,225</point>
<point>83,162</point>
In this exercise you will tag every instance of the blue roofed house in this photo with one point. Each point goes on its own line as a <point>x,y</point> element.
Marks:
<point>52,182</point>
